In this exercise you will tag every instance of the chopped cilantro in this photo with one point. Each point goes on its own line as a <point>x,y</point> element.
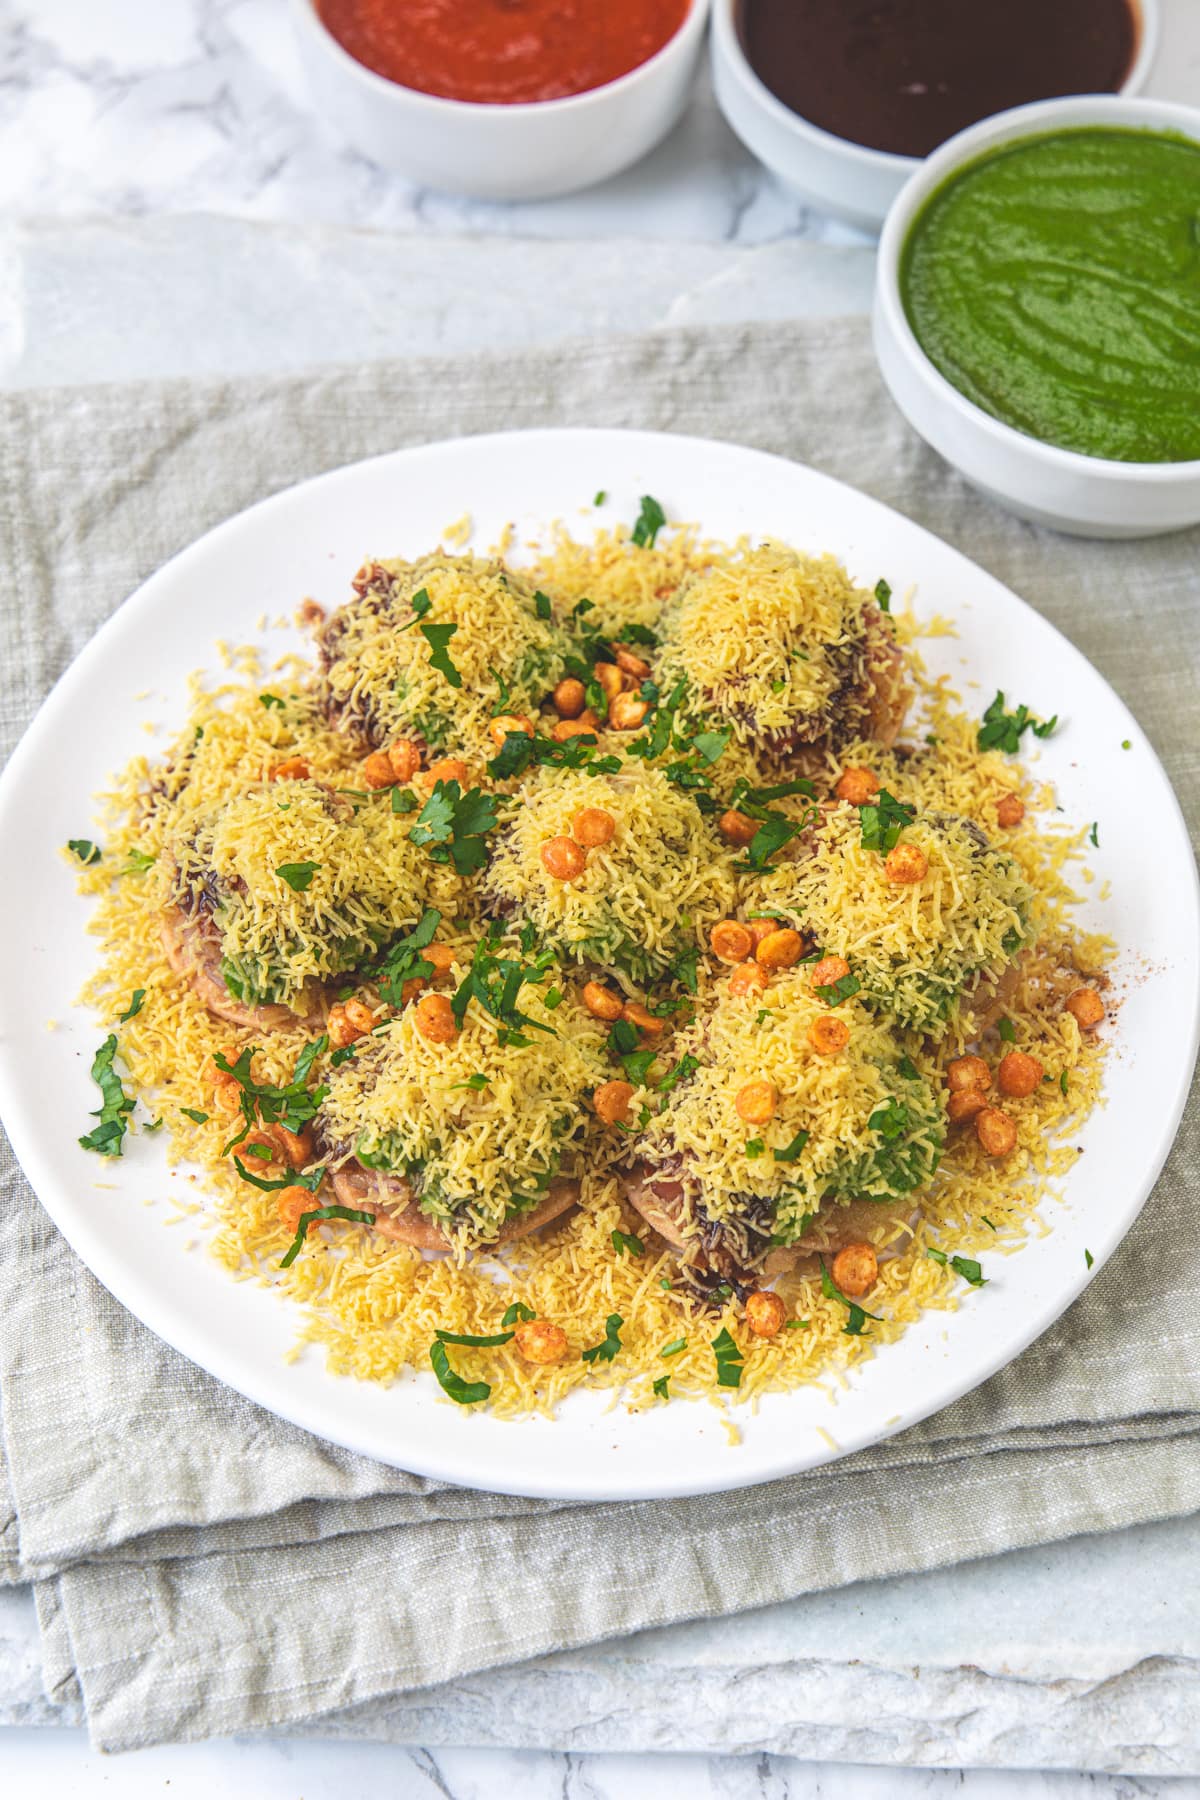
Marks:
<point>1062,1081</point>
<point>1088,1258</point>
<point>466,1393</point>
<point>754,1147</point>
<point>600,496</point>
<point>348,1213</point>
<point>495,981</point>
<point>452,826</point>
<point>1003,731</point>
<point>662,1387</point>
<point>729,1360</point>
<point>909,1069</point>
<point>792,1151</point>
<point>87,852</point>
<point>625,1242</point>
<point>1005,1028</point>
<point>342,1056</point>
<point>1094,834</point>
<point>883,595</point>
<point>138,862</point>
<point>890,1121</point>
<point>1126,744</point>
<point>987,1221</point>
<point>404,801</point>
<point>105,1138</point>
<point>476,1343</point>
<point>293,1105</point>
<point>518,1310</point>
<point>675,1348</point>
<point>797,1324</point>
<point>476,1083</point>
<point>607,1349</point>
<point>553,998</point>
<point>438,638</point>
<point>837,991</point>
<point>883,819</point>
<point>404,961</point>
<point>687,1065</point>
<point>297,875</point>
<point>966,1266</point>
<point>684,969</point>
<point>269,700</point>
<point>134,1007</point>
<point>197,1118</point>
<point>542,604</point>
<point>771,836</point>
<point>710,746</point>
<point>650,522</point>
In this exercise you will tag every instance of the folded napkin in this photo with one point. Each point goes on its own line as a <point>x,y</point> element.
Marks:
<point>202,1567</point>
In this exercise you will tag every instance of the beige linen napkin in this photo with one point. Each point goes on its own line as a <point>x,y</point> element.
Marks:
<point>202,1567</point>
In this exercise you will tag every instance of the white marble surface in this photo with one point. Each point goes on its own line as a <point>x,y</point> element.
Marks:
<point>161,186</point>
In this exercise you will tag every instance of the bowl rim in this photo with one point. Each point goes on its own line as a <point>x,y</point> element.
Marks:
<point>1041,117</point>
<point>309,21</point>
<point>727,43</point>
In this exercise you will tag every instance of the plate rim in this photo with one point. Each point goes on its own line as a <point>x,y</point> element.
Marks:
<point>126,1286</point>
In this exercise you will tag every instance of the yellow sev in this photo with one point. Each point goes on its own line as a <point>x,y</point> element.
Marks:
<point>648,894</point>
<point>373,1306</point>
<point>388,679</point>
<point>484,1122</point>
<point>765,636</point>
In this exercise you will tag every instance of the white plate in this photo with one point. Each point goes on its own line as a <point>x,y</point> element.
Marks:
<point>309,541</point>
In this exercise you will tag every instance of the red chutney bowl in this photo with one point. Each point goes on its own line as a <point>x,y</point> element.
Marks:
<point>500,150</point>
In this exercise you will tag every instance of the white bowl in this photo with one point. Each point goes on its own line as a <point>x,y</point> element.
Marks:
<point>1090,496</point>
<point>496,152</point>
<point>834,173</point>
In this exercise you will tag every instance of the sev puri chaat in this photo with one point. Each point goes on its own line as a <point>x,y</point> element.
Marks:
<point>671,990</point>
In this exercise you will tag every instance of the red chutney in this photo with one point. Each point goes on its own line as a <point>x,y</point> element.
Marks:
<point>502,52</point>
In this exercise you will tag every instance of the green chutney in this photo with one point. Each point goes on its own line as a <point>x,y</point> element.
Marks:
<point>1056,283</point>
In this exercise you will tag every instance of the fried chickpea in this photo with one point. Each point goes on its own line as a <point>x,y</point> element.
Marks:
<point>761,928</point>
<point>906,864</point>
<point>538,1341</point>
<point>857,786</point>
<point>626,712</point>
<point>855,1270</point>
<point>765,1313</point>
<point>377,770</point>
<point>996,1132</point>
<point>442,958</point>
<point>293,768</point>
<point>348,1021</point>
<point>829,971</point>
<point>757,1102</point>
<point>435,1019</point>
<point>506,725</point>
<point>828,1035</point>
<point>568,697</point>
<point>563,858</point>
<point>780,949</point>
<point>1010,810</point>
<point>1086,1008</point>
<point>570,728</point>
<point>405,758</point>
<point>748,978</point>
<point>593,826</point>
<point>296,1147</point>
<point>634,1013</point>
<point>1019,1075</point>
<point>260,1150</point>
<point>736,828</point>
<point>965,1105</point>
<point>968,1072</point>
<point>610,1101</point>
<point>731,941</point>
<point>630,663</point>
<point>609,677</point>
<point>291,1204</point>
<point>601,1002</point>
<point>450,768</point>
